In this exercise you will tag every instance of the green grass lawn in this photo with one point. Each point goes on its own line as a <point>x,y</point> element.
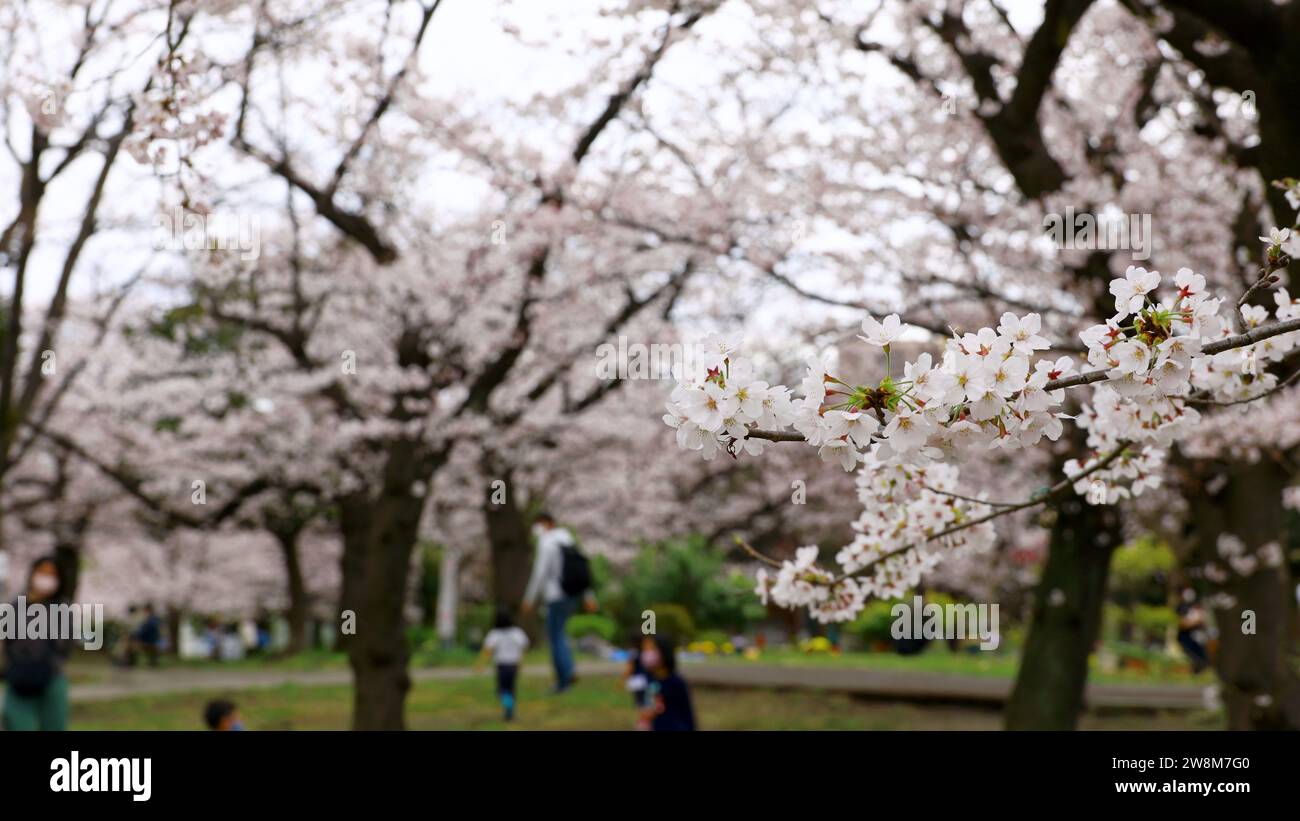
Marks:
<point>1002,664</point>
<point>596,703</point>
<point>90,668</point>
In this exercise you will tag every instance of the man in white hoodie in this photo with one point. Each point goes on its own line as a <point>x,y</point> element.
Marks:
<point>548,568</point>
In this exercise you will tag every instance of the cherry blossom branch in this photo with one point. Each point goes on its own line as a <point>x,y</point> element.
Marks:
<point>1266,280</point>
<point>1038,499</point>
<point>1101,375</point>
<point>1042,497</point>
<point>1225,403</point>
<point>749,548</point>
<point>950,494</point>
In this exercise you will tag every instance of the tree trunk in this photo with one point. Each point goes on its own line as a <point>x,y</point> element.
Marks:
<point>1066,619</point>
<point>1261,689</point>
<point>298,599</point>
<point>448,596</point>
<point>379,537</point>
<point>512,552</point>
<point>67,558</point>
<point>173,620</point>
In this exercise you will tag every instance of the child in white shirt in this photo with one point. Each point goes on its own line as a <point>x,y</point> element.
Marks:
<point>506,644</point>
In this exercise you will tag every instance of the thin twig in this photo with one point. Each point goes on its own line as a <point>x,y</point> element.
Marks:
<point>749,548</point>
<point>1266,280</point>
<point>968,498</point>
<point>1036,500</point>
<point>1222,403</point>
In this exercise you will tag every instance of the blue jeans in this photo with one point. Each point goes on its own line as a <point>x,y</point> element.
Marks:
<point>557,614</point>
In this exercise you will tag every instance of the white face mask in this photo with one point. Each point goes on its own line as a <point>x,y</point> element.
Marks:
<point>538,530</point>
<point>45,585</point>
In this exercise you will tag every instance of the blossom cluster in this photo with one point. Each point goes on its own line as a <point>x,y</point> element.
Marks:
<point>1151,352</point>
<point>986,389</point>
<point>905,509</point>
<point>997,388</point>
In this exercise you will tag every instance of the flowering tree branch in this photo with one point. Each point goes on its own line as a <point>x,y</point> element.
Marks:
<point>997,388</point>
<point>1230,343</point>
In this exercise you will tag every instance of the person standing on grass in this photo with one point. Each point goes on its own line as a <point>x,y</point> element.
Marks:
<point>669,704</point>
<point>561,578</point>
<point>36,689</point>
<point>506,644</point>
<point>147,638</point>
<point>1191,629</point>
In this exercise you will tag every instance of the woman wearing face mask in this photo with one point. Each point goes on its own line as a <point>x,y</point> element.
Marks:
<point>36,690</point>
<point>670,697</point>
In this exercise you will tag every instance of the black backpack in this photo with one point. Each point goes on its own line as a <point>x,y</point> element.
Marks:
<point>575,571</point>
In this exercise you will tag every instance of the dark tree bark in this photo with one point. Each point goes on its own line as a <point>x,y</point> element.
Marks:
<point>512,553</point>
<point>1066,619</point>
<point>379,537</point>
<point>173,619</point>
<point>1261,56</point>
<point>1261,690</point>
<point>299,601</point>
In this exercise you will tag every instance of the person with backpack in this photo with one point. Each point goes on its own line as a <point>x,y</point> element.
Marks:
<point>36,689</point>
<point>561,578</point>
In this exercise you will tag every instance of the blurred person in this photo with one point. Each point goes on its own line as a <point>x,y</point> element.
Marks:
<point>146,638</point>
<point>212,635</point>
<point>248,634</point>
<point>121,654</point>
<point>635,679</point>
<point>231,643</point>
<point>1191,629</point>
<point>263,625</point>
<point>669,701</point>
<point>36,688</point>
<point>222,715</point>
<point>506,644</point>
<point>561,577</point>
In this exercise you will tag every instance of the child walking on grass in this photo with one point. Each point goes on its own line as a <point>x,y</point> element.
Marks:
<point>668,708</point>
<point>506,644</point>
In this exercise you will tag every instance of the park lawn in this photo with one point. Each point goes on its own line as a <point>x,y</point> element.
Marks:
<point>92,668</point>
<point>596,703</point>
<point>940,661</point>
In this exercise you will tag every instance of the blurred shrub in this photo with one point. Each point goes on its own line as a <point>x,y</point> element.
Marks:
<point>718,637</point>
<point>475,621</point>
<point>691,576</point>
<point>593,624</point>
<point>1140,571</point>
<point>421,637</point>
<point>1153,622</point>
<point>673,620</point>
<point>873,623</point>
<point>1116,621</point>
